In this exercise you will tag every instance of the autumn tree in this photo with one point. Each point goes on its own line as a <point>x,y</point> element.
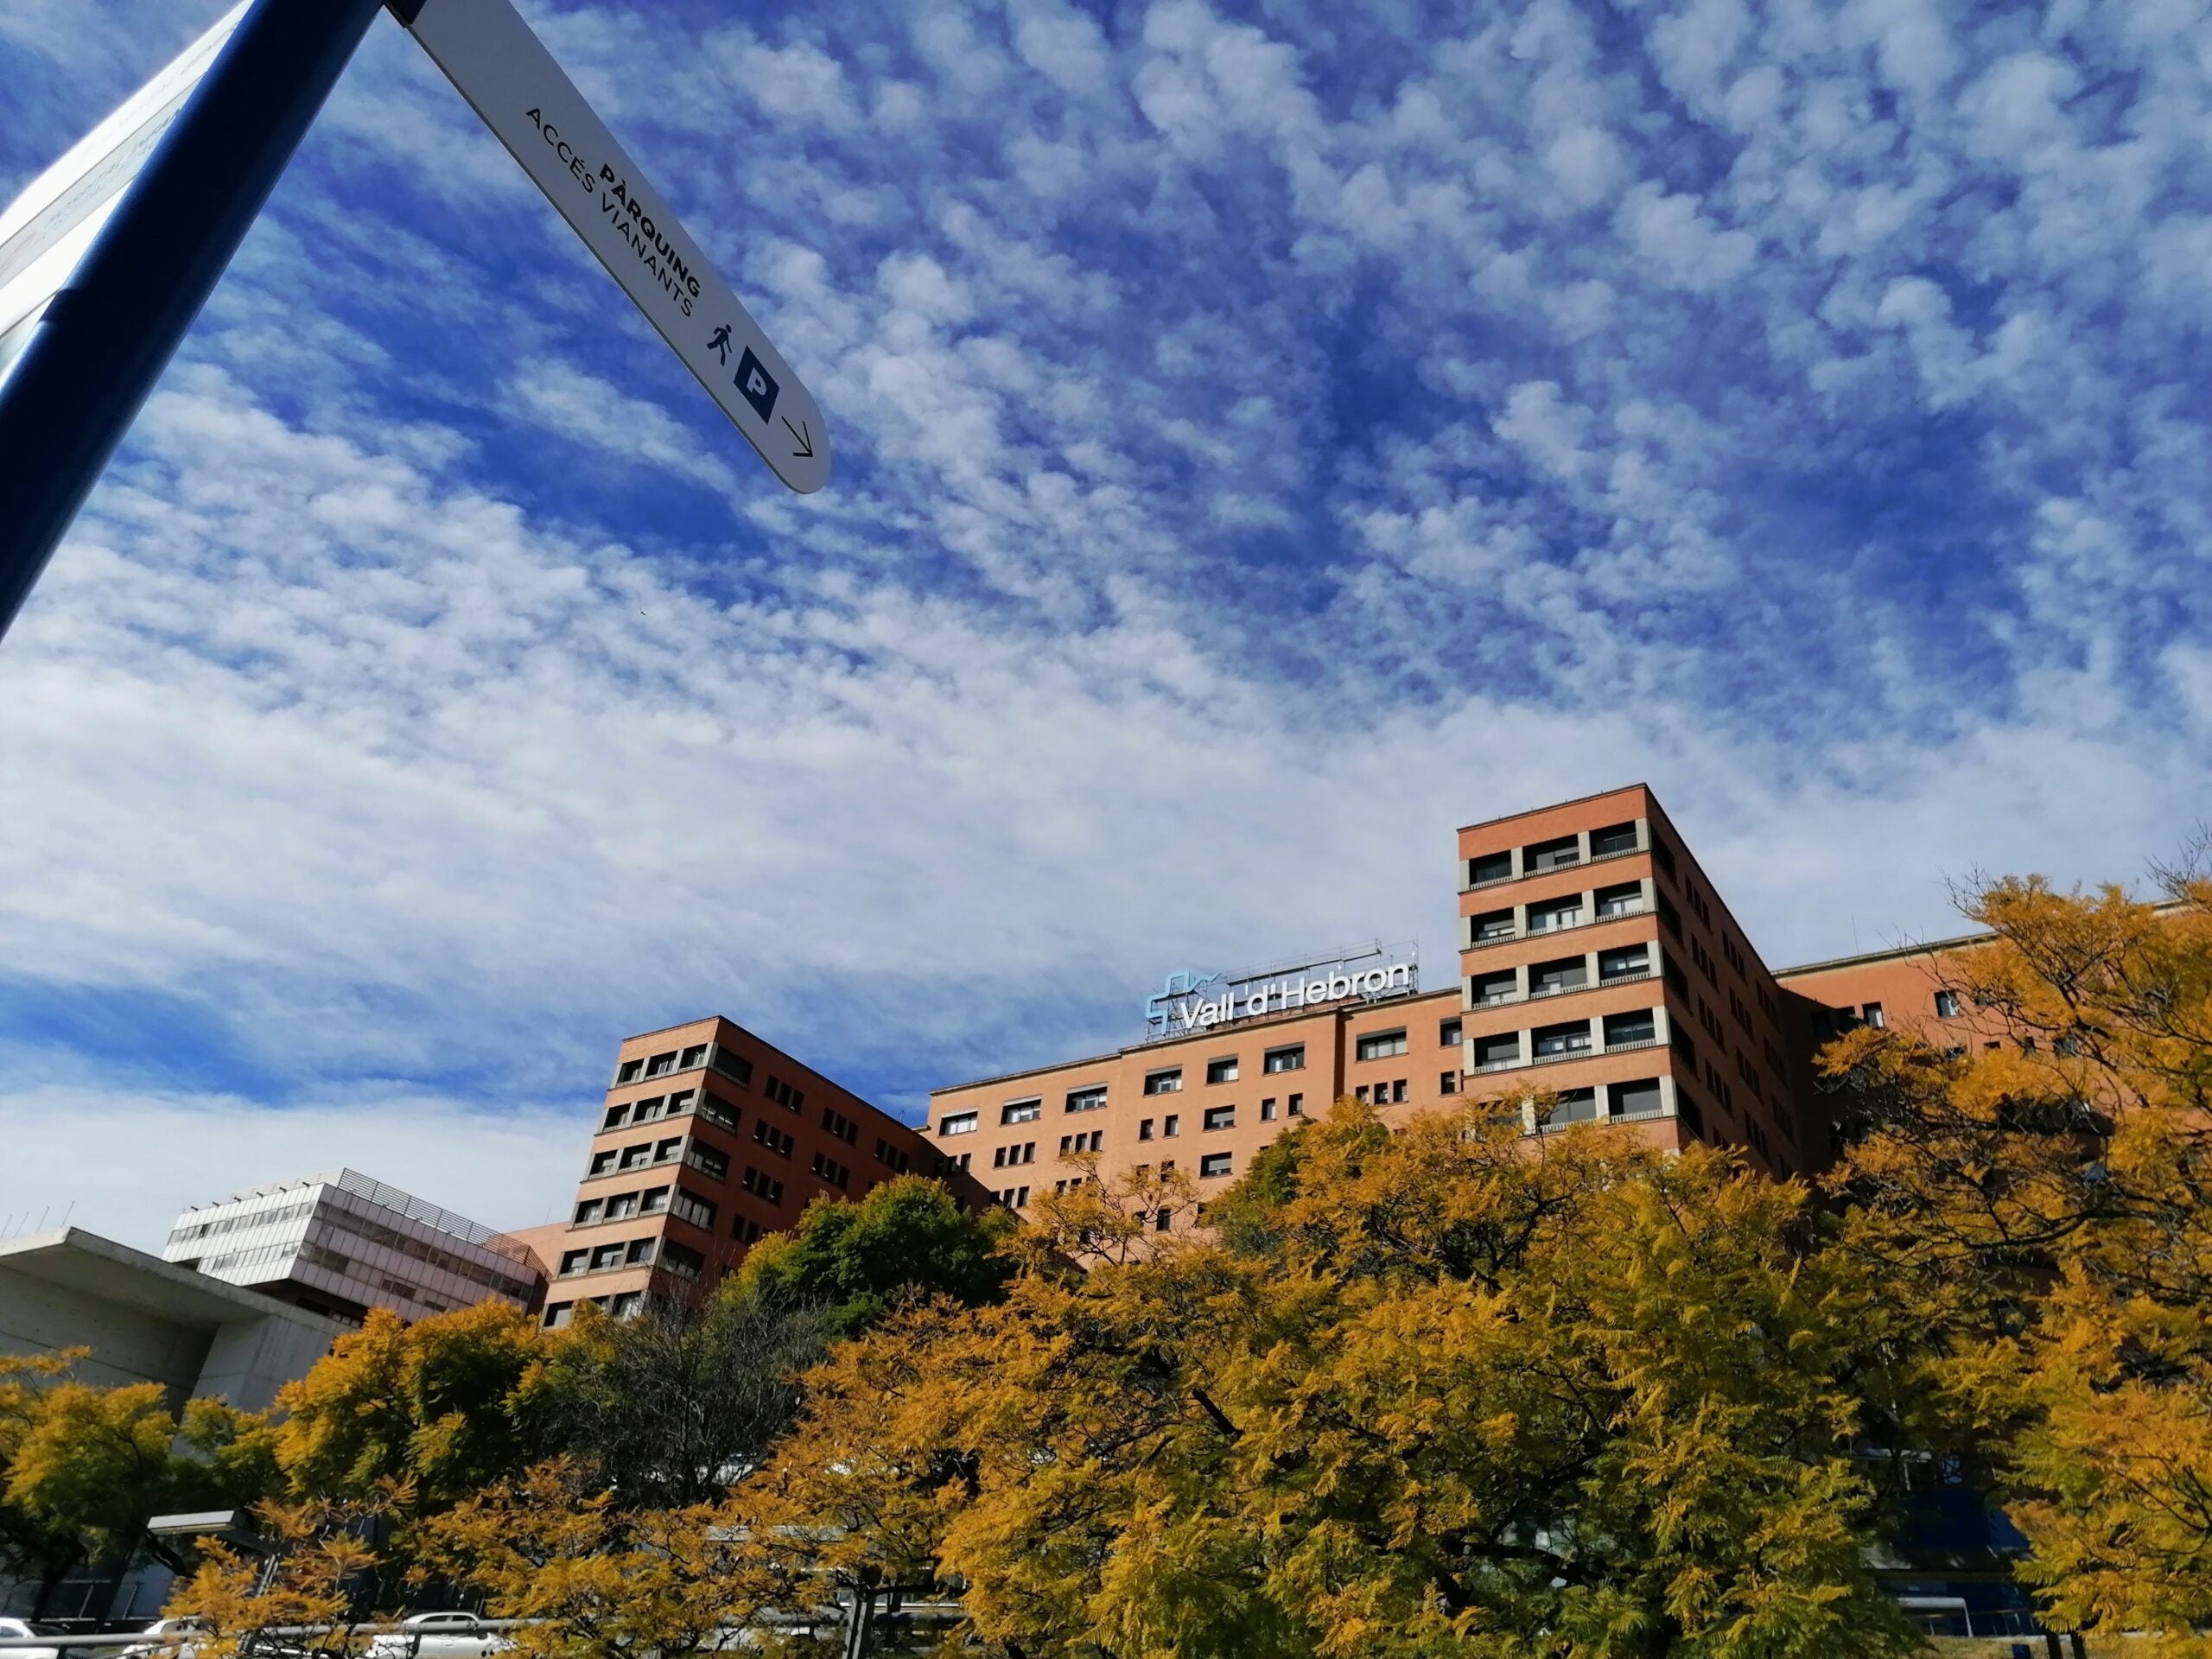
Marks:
<point>1435,1391</point>
<point>596,1579</point>
<point>314,1576</point>
<point>441,1404</point>
<point>2042,1198</point>
<point>83,1468</point>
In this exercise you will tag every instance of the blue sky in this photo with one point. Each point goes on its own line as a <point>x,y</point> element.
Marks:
<point>1267,437</point>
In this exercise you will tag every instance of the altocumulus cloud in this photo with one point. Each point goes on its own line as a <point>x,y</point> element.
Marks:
<point>1267,438</point>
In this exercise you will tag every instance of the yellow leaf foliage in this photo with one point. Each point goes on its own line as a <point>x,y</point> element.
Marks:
<point>2042,1206</point>
<point>1430,1392</point>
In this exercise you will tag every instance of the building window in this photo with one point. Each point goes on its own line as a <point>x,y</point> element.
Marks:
<point>1087,1100</point>
<point>783,1093</point>
<point>1612,841</point>
<point>694,1056</point>
<point>1562,854</point>
<point>1381,1045</point>
<point>1144,1129</point>
<point>717,1111</point>
<point>1556,915</point>
<point>628,1305</point>
<point>1214,1164</point>
<point>1946,1005</point>
<point>830,1170</point>
<point>628,1072</point>
<point>1219,1117</point>
<point>558,1314</point>
<point>1871,1013</point>
<point>588,1212</point>
<point>1625,900</point>
<point>1163,1220</point>
<point>713,1164</point>
<point>1290,1059</point>
<point>606,1256</point>
<point>774,1139</point>
<point>1495,1052</point>
<point>1492,926</point>
<point>1625,962</point>
<point>1448,1082</point>
<point>650,1202</point>
<point>690,1206</point>
<point>1486,868</point>
<point>682,1261</point>
<point>1632,1029</point>
<point>573,1261</point>
<point>602,1162</point>
<point>732,1065</point>
<point>1163,1083</point>
<point>958,1123</point>
<point>1296,1106</point>
<point>1222,1070</point>
<point>1487,991</point>
<point>1268,1110</point>
<point>641,1253</point>
<point>661,1064</point>
<point>1638,1099</point>
<point>1447,1034</point>
<point>1397,1092</point>
<point>1558,977</point>
<point>624,1205</point>
<point>615,1118</point>
<point>889,1155</point>
<point>1172,1125</point>
<point>1021,1111</point>
<point>841,1126</point>
<point>762,1187</point>
<point>1572,1106</point>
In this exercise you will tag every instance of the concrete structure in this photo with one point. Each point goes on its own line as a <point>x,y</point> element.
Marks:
<point>1600,970</point>
<point>341,1243</point>
<point>709,1137</point>
<point>147,1320</point>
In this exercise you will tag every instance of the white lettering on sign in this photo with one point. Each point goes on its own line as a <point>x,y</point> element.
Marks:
<point>510,79</point>
<point>1182,1005</point>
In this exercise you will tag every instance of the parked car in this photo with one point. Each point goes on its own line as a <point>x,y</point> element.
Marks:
<point>439,1636</point>
<point>168,1627</point>
<point>22,1630</point>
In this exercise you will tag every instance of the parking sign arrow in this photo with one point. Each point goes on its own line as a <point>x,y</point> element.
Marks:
<point>511,80</point>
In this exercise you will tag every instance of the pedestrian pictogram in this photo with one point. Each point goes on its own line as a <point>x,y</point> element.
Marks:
<point>718,344</point>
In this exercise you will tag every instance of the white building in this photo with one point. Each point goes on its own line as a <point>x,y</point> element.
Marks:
<point>341,1243</point>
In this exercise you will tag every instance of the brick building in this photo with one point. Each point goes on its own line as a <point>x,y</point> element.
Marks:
<point>709,1137</point>
<point>1597,964</point>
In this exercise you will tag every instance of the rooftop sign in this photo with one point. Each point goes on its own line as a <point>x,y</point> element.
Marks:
<point>1188,1002</point>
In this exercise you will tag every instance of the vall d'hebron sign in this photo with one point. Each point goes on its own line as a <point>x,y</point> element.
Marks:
<point>1190,1002</point>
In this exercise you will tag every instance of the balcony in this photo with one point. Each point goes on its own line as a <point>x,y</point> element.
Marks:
<point>1621,1046</point>
<point>1580,1051</point>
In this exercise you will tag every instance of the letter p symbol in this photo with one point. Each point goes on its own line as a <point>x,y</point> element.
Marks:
<point>757,383</point>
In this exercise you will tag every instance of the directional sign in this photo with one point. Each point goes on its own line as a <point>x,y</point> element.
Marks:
<point>509,77</point>
<point>45,232</point>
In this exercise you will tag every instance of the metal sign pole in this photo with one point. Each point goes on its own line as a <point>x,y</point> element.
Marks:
<point>105,337</point>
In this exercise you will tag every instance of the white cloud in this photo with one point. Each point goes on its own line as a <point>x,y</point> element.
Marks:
<point>124,1163</point>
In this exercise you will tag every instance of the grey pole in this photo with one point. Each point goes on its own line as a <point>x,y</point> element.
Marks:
<point>104,340</point>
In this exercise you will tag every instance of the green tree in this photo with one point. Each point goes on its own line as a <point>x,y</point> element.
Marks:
<point>1435,1392</point>
<point>904,1238</point>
